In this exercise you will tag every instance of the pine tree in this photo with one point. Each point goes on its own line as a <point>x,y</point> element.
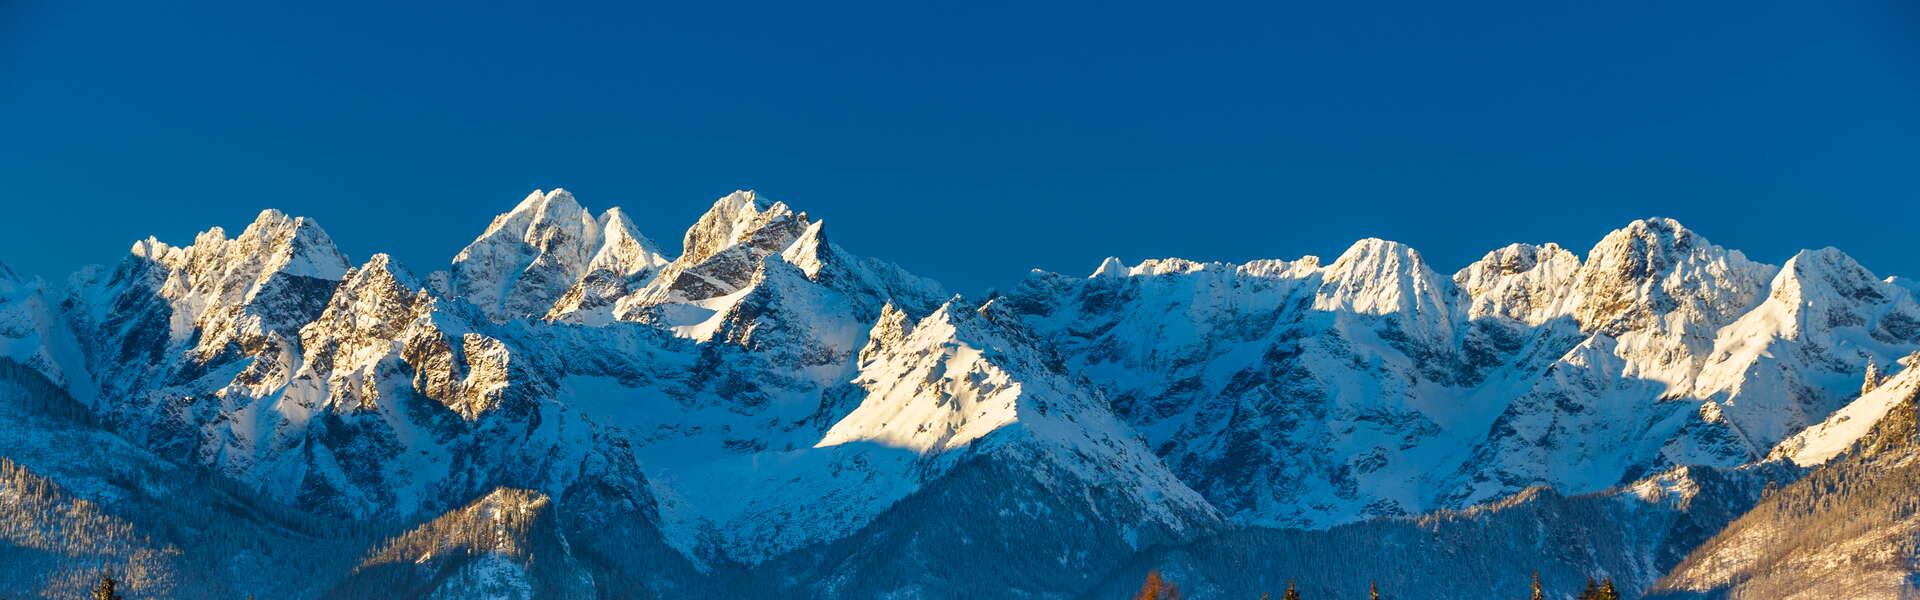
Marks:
<point>1590,592</point>
<point>1607,592</point>
<point>1291,593</point>
<point>1538,594</point>
<point>105,590</point>
<point>1158,588</point>
<point>1373,591</point>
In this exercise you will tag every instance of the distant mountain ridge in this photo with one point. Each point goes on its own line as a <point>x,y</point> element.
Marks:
<point>768,412</point>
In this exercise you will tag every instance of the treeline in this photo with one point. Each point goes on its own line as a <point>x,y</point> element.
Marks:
<point>42,522</point>
<point>1157,587</point>
<point>497,523</point>
<point>1806,537</point>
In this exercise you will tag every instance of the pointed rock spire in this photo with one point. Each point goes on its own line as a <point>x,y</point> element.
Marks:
<point>888,331</point>
<point>1873,379</point>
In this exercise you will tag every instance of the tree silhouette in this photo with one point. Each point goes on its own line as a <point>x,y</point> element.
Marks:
<point>1158,588</point>
<point>106,589</point>
<point>1601,590</point>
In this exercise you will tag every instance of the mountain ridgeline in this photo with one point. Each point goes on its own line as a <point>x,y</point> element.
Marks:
<point>566,410</point>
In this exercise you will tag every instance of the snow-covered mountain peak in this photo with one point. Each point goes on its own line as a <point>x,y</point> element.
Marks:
<point>734,219</point>
<point>1379,277</point>
<point>972,379</point>
<point>1523,282</point>
<point>933,387</point>
<point>624,263</point>
<point>300,247</point>
<point>723,251</point>
<point>550,257</point>
<point>379,268</point>
<point>1832,274</point>
<point>1656,274</point>
<point>623,250</point>
<point>273,243</point>
<point>537,209</point>
<point>1111,267</point>
<point>527,257</point>
<point>888,331</point>
<point>1114,268</point>
<point>1792,359</point>
<point>272,278</point>
<point>1376,276</point>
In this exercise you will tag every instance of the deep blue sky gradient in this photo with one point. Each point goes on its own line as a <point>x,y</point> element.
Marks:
<point>971,141</point>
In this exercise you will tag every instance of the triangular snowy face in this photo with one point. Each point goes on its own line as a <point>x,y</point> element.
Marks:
<point>738,218</point>
<point>526,257</point>
<point>928,391</point>
<point>531,257</point>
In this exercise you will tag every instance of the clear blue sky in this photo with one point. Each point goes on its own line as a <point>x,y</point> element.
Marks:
<point>971,141</point>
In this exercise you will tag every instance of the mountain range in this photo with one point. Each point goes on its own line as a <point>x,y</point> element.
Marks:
<point>566,410</point>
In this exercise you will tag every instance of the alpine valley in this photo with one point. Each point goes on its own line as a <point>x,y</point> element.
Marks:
<point>567,410</point>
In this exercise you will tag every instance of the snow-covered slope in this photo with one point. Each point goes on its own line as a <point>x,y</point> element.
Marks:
<point>1846,530</point>
<point>34,335</point>
<point>1287,392</point>
<point>963,379</point>
<point>1827,439</point>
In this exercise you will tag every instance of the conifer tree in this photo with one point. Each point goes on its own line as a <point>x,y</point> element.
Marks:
<point>1157,588</point>
<point>1373,590</point>
<point>1291,594</point>
<point>106,589</point>
<point>1607,592</point>
<point>1590,592</point>
<point>1538,594</point>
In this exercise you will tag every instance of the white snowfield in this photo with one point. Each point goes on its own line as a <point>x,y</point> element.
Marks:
<point>768,391</point>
